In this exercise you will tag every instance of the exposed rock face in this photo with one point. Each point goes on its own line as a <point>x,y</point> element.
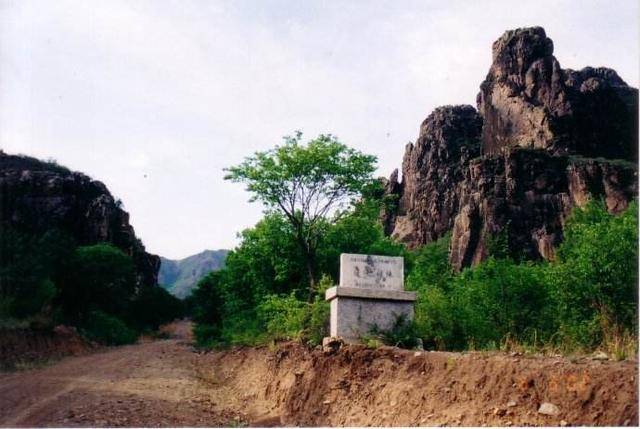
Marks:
<point>523,161</point>
<point>432,168</point>
<point>528,100</point>
<point>36,196</point>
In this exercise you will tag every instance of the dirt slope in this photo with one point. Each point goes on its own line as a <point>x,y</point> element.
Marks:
<point>166,383</point>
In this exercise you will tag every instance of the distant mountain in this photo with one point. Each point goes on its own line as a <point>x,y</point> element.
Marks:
<point>180,276</point>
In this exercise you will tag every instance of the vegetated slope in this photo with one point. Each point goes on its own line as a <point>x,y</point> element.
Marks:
<point>168,383</point>
<point>38,196</point>
<point>180,276</point>
<point>542,140</point>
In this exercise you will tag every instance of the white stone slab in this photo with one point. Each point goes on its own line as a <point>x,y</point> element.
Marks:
<point>371,271</point>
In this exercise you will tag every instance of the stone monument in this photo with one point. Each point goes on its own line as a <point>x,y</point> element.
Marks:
<point>371,293</point>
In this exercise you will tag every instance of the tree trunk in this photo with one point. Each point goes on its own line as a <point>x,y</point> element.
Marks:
<point>312,277</point>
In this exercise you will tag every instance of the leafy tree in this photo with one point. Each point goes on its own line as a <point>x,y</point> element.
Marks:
<point>595,277</point>
<point>305,183</point>
<point>107,329</point>
<point>28,266</point>
<point>152,306</point>
<point>99,277</point>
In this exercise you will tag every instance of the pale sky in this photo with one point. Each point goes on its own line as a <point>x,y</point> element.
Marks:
<point>155,98</point>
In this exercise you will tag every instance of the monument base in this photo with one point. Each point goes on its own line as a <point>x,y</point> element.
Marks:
<point>355,311</point>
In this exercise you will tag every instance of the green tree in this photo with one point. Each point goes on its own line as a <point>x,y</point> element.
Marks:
<point>306,183</point>
<point>29,264</point>
<point>98,277</point>
<point>595,276</point>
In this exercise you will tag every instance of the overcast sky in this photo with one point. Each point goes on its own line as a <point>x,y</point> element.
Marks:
<point>155,98</point>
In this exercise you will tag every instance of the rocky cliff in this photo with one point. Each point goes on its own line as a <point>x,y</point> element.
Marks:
<point>542,141</point>
<point>36,196</point>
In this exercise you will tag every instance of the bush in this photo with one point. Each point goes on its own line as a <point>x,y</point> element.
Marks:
<point>152,307</point>
<point>29,263</point>
<point>283,316</point>
<point>499,298</point>
<point>107,329</point>
<point>99,277</point>
<point>595,277</point>
<point>402,334</point>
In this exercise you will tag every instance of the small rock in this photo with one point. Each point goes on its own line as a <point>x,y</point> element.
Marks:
<point>497,411</point>
<point>600,356</point>
<point>563,423</point>
<point>327,402</point>
<point>331,345</point>
<point>548,409</point>
<point>626,422</point>
<point>512,404</point>
<point>509,423</point>
<point>416,354</point>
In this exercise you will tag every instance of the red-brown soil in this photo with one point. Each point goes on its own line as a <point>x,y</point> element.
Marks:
<point>168,383</point>
<point>19,347</point>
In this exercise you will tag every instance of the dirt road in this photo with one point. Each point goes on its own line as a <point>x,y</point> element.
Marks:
<point>147,384</point>
<point>168,383</point>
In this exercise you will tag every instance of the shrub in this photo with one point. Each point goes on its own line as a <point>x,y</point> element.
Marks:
<point>99,277</point>
<point>283,316</point>
<point>317,325</point>
<point>152,307</point>
<point>499,298</point>
<point>107,329</point>
<point>435,320</point>
<point>401,334</point>
<point>595,277</point>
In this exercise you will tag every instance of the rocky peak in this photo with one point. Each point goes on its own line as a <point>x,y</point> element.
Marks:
<point>516,51</point>
<point>527,100</point>
<point>522,161</point>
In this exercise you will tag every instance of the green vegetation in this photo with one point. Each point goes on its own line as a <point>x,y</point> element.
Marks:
<point>47,280</point>
<point>585,299</point>
<point>305,184</point>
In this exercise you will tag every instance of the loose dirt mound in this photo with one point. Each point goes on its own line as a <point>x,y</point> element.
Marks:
<point>388,387</point>
<point>168,383</point>
<point>26,346</point>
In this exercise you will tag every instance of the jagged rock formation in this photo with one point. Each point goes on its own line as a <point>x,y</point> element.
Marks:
<point>37,196</point>
<point>180,276</point>
<point>528,101</point>
<point>543,140</point>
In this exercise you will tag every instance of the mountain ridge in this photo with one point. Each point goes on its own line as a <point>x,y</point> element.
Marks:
<point>180,276</point>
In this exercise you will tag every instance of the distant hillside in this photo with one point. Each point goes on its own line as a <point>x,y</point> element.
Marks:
<point>180,276</point>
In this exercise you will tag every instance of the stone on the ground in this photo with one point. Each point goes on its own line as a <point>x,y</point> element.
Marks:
<point>549,409</point>
<point>331,344</point>
<point>600,356</point>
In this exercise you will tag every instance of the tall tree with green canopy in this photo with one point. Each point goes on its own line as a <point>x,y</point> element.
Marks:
<point>306,183</point>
